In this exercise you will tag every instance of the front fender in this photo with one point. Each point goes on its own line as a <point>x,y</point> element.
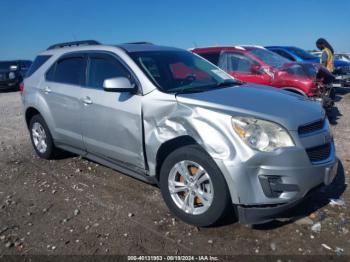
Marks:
<point>211,130</point>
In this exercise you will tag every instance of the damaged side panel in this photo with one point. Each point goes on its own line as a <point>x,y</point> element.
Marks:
<point>167,119</point>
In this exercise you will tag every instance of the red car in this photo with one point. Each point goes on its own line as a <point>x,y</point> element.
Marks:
<point>258,65</point>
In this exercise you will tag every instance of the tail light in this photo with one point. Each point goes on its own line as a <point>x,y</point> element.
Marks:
<point>21,88</point>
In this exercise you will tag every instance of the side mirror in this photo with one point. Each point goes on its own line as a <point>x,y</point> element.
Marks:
<point>256,69</point>
<point>119,84</point>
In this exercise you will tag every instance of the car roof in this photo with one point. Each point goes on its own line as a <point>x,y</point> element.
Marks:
<point>221,48</point>
<point>281,46</point>
<point>127,47</point>
<point>136,47</point>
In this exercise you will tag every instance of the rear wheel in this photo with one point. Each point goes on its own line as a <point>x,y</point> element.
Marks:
<point>41,138</point>
<point>193,187</point>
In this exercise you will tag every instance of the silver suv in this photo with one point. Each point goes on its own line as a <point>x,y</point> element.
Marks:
<point>166,116</point>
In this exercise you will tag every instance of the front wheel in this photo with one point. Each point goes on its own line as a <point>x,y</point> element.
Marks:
<point>193,187</point>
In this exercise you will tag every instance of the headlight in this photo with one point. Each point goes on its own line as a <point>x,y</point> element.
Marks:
<point>12,75</point>
<point>260,134</point>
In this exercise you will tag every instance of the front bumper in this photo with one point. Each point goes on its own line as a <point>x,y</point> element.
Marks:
<point>257,214</point>
<point>342,80</point>
<point>264,184</point>
<point>263,214</point>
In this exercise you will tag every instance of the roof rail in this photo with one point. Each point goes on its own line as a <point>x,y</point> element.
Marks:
<point>256,46</point>
<point>239,47</point>
<point>139,43</point>
<point>75,43</point>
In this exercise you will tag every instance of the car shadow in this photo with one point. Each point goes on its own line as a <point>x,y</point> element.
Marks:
<point>333,113</point>
<point>62,155</point>
<point>311,204</point>
<point>340,92</point>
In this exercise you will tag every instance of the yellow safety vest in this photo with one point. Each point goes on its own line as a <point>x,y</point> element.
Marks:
<point>330,60</point>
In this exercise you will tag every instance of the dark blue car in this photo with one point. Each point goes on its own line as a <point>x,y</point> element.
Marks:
<point>341,68</point>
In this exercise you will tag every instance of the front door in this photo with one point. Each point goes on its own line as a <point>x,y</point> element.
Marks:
<point>111,121</point>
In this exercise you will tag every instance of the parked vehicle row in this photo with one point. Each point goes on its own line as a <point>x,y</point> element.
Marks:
<point>342,56</point>
<point>255,64</point>
<point>341,67</point>
<point>164,115</point>
<point>12,73</point>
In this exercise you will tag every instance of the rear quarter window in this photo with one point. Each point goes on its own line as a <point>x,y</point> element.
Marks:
<point>38,62</point>
<point>211,57</point>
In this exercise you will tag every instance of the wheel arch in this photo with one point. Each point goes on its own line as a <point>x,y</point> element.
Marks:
<point>29,113</point>
<point>168,147</point>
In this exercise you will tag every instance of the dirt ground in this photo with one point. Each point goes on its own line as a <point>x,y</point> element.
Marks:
<point>75,206</point>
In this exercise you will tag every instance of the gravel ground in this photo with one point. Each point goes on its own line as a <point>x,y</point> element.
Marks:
<point>75,206</point>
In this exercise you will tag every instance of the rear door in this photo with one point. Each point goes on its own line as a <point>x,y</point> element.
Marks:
<point>62,92</point>
<point>111,121</point>
<point>242,67</point>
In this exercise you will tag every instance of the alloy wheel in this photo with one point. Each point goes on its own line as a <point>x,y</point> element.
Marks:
<point>39,137</point>
<point>190,187</point>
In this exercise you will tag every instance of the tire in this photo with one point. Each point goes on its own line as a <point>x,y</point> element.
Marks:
<point>49,150</point>
<point>205,210</point>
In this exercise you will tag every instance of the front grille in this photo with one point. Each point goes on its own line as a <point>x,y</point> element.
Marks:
<point>2,76</point>
<point>346,69</point>
<point>342,70</point>
<point>312,127</point>
<point>319,153</point>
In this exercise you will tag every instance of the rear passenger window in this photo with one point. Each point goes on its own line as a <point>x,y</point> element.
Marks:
<point>69,71</point>
<point>101,69</point>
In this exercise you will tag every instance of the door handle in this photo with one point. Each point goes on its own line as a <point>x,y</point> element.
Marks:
<point>87,100</point>
<point>47,90</point>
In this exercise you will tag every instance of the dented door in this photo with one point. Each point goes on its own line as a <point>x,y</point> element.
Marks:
<point>111,121</point>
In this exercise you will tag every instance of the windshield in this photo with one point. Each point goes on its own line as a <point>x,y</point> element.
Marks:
<point>304,69</point>
<point>8,65</point>
<point>181,71</point>
<point>302,53</point>
<point>269,57</point>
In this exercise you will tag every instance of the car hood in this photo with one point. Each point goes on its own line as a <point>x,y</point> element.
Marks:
<point>288,109</point>
<point>337,62</point>
<point>340,63</point>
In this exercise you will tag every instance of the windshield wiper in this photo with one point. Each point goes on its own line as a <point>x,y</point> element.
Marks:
<point>229,83</point>
<point>205,88</point>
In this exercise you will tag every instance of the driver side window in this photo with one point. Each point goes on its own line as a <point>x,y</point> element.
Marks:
<point>102,67</point>
<point>237,62</point>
